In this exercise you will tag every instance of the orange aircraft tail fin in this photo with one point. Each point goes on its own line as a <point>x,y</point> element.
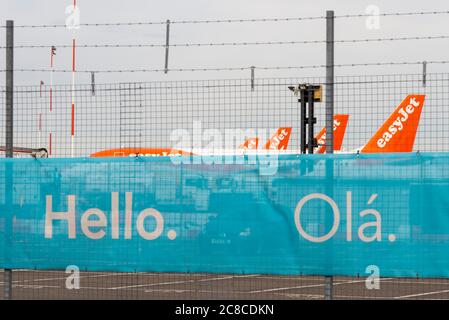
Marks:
<point>250,144</point>
<point>279,141</point>
<point>398,133</point>
<point>340,124</point>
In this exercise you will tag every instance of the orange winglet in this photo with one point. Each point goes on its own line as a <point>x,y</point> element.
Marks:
<point>279,141</point>
<point>340,124</point>
<point>398,133</point>
<point>141,152</point>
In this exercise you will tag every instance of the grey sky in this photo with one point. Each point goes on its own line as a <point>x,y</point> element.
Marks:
<point>53,12</point>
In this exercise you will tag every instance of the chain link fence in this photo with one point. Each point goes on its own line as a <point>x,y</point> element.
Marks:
<point>145,115</point>
<point>151,115</point>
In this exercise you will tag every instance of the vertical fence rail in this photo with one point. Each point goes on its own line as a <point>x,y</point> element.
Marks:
<point>329,120</point>
<point>424,73</point>
<point>167,44</point>
<point>330,82</point>
<point>9,116</point>
<point>252,77</point>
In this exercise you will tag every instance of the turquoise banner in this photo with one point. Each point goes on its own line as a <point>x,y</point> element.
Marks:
<point>290,214</point>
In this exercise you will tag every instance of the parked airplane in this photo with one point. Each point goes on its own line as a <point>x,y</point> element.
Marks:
<point>145,152</point>
<point>398,132</point>
<point>279,141</point>
<point>340,124</point>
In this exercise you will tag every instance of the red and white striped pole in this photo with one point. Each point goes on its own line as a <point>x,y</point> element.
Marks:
<point>39,125</point>
<point>50,116</point>
<point>73,87</point>
<point>40,130</point>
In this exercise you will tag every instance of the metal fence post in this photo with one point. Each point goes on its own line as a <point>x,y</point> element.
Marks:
<point>330,82</point>
<point>92,81</point>
<point>329,120</point>
<point>303,121</point>
<point>424,73</point>
<point>9,142</point>
<point>310,119</point>
<point>252,77</point>
<point>328,287</point>
<point>167,44</point>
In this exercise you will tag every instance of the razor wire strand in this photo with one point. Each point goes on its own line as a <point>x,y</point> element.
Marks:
<point>198,69</point>
<point>223,44</point>
<point>145,23</point>
<point>222,21</point>
<point>173,86</point>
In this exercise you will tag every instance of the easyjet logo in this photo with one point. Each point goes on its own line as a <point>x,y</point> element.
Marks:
<point>398,123</point>
<point>322,140</point>
<point>250,144</point>
<point>276,140</point>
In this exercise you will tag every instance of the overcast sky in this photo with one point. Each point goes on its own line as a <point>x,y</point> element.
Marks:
<point>26,12</point>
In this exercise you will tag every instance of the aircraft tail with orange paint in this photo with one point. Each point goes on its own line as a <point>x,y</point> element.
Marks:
<point>250,144</point>
<point>279,141</point>
<point>340,124</point>
<point>398,132</point>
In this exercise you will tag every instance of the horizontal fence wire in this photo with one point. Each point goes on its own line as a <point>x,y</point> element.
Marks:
<point>223,44</point>
<point>264,20</point>
<point>243,68</point>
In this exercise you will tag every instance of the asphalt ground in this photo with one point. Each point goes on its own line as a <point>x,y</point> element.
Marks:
<point>173,286</point>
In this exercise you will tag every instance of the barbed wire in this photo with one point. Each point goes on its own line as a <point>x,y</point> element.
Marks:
<point>395,14</point>
<point>256,20</point>
<point>440,37</point>
<point>173,85</point>
<point>133,70</point>
<point>237,68</point>
<point>370,64</point>
<point>393,39</point>
<point>164,45</point>
<point>144,23</point>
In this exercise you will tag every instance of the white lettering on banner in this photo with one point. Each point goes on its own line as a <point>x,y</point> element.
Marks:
<point>128,215</point>
<point>114,216</point>
<point>398,123</point>
<point>86,224</point>
<point>334,209</point>
<point>159,224</point>
<point>278,139</point>
<point>361,233</point>
<point>94,221</point>
<point>69,216</point>
<point>322,140</point>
